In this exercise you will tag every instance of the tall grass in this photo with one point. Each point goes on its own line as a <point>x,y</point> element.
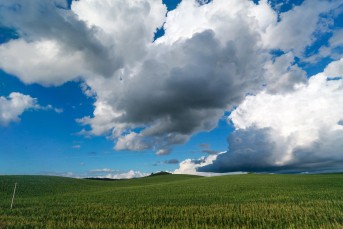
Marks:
<point>174,201</point>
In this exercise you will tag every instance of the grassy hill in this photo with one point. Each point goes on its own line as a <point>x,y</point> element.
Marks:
<point>174,201</point>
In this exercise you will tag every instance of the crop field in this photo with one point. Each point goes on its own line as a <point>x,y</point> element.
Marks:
<point>174,201</point>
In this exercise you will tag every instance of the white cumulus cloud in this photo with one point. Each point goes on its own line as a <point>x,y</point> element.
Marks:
<point>190,166</point>
<point>157,94</point>
<point>15,104</point>
<point>42,62</point>
<point>127,175</point>
<point>296,132</point>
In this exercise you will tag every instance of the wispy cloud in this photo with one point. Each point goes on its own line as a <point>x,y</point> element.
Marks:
<point>170,162</point>
<point>105,171</point>
<point>204,145</point>
<point>59,110</point>
<point>206,149</point>
<point>58,173</point>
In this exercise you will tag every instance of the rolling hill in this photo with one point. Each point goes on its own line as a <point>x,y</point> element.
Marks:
<point>174,201</point>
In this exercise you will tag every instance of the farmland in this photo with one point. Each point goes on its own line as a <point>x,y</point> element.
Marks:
<point>174,201</point>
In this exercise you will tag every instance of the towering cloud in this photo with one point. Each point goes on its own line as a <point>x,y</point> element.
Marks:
<point>298,132</point>
<point>157,94</point>
<point>185,81</point>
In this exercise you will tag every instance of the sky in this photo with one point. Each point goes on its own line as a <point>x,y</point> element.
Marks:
<point>122,89</point>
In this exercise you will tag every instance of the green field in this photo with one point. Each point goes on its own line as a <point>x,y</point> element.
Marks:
<point>174,201</point>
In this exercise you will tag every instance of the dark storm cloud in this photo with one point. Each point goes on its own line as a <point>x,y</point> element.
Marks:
<point>192,97</point>
<point>175,90</point>
<point>178,102</point>
<point>259,150</point>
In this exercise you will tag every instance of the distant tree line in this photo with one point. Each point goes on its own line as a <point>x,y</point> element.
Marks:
<point>159,173</point>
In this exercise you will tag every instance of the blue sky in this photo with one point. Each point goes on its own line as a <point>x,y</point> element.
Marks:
<point>191,88</point>
<point>46,138</point>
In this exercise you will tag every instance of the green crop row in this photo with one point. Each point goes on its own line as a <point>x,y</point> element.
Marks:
<point>174,201</point>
